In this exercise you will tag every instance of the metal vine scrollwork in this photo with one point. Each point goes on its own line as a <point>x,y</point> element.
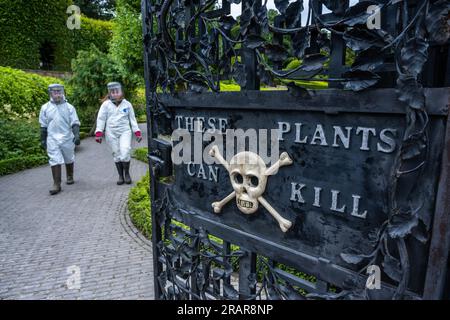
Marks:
<point>193,45</point>
<point>194,261</point>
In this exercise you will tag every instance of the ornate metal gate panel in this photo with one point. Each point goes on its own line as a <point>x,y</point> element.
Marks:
<point>354,186</point>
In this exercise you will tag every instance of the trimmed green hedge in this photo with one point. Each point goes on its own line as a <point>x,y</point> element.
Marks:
<point>27,25</point>
<point>22,94</point>
<point>20,146</point>
<point>19,139</point>
<point>139,198</point>
<point>139,206</point>
<point>141,154</point>
<point>92,70</point>
<point>97,32</point>
<point>13,165</point>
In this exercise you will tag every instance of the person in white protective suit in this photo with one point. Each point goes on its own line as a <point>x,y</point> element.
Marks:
<point>116,121</point>
<point>60,132</point>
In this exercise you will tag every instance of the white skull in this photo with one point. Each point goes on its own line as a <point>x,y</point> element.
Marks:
<point>248,178</point>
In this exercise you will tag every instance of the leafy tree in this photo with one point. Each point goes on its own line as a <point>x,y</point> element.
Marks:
<point>92,70</point>
<point>134,5</point>
<point>126,47</point>
<point>97,9</point>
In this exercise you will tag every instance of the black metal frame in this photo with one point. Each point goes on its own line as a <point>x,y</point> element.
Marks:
<point>184,258</point>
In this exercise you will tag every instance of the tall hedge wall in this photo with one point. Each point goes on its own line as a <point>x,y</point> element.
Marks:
<point>26,25</point>
<point>97,32</point>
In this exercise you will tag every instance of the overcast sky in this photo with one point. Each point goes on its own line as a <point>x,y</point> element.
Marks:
<point>236,8</point>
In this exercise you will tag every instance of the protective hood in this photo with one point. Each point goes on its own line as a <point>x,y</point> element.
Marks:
<point>56,93</point>
<point>115,92</point>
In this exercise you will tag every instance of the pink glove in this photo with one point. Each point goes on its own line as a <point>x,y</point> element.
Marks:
<point>98,136</point>
<point>138,135</point>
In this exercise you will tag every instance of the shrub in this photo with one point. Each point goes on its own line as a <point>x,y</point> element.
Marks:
<point>126,44</point>
<point>92,70</point>
<point>139,199</point>
<point>138,101</point>
<point>294,63</point>
<point>13,165</point>
<point>141,154</point>
<point>142,118</point>
<point>19,138</point>
<point>22,94</point>
<point>139,206</point>
<point>20,146</point>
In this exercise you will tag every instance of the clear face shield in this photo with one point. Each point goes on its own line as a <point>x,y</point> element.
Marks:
<point>56,93</point>
<point>115,92</point>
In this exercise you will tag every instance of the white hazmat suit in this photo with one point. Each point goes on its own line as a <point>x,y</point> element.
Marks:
<point>118,122</point>
<point>59,119</point>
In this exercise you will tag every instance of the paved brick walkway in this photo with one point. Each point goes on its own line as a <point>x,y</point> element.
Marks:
<point>85,228</point>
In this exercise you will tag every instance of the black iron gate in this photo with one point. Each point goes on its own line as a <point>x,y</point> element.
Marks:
<point>357,95</point>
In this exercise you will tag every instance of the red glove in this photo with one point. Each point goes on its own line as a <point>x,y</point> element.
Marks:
<point>138,136</point>
<point>98,136</point>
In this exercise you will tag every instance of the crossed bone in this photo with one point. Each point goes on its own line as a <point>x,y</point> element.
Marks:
<point>284,160</point>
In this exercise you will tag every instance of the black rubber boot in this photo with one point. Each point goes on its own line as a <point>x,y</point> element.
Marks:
<point>69,173</point>
<point>119,167</point>
<point>56,173</point>
<point>126,169</point>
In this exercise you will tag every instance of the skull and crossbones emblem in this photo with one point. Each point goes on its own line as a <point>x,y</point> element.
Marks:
<point>248,175</point>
